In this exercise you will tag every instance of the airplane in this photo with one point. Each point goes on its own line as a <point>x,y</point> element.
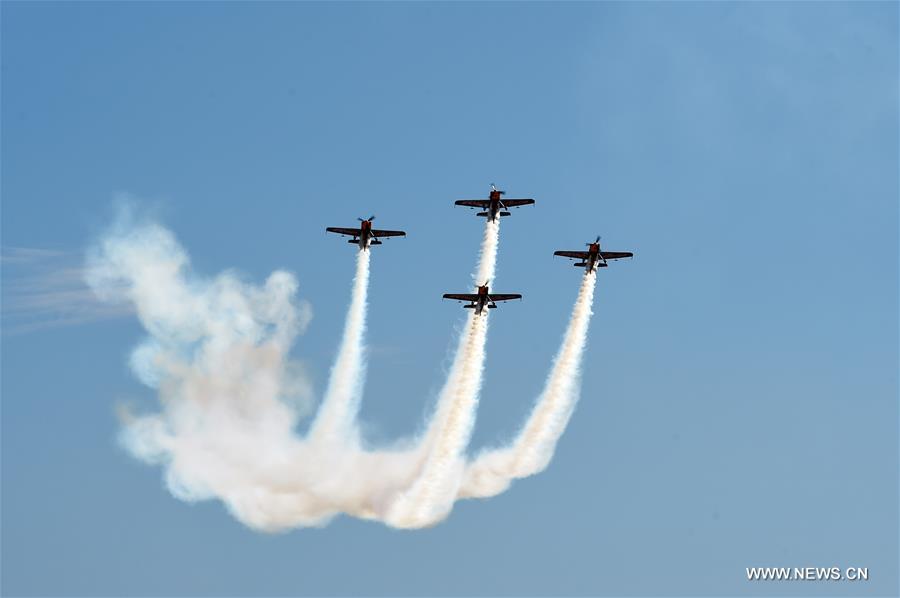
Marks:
<point>494,206</point>
<point>365,235</point>
<point>481,299</point>
<point>593,258</point>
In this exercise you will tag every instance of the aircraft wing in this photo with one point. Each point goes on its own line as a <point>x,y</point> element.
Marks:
<point>343,231</point>
<point>514,203</point>
<point>578,255</point>
<point>388,233</point>
<point>507,297</point>
<point>474,203</point>
<point>615,255</point>
<point>461,296</point>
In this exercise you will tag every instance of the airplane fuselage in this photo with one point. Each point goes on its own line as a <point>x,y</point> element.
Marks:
<point>494,207</point>
<point>483,300</point>
<point>365,234</point>
<point>593,257</point>
<point>366,238</point>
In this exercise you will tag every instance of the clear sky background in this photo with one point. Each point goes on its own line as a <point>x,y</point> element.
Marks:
<point>740,399</point>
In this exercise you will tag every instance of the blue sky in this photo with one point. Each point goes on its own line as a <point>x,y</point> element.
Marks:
<point>739,406</point>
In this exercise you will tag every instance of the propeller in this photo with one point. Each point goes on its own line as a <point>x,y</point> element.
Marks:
<point>597,240</point>
<point>369,219</point>
<point>494,188</point>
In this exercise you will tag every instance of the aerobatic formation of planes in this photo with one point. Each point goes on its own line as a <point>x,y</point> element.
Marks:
<point>491,208</point>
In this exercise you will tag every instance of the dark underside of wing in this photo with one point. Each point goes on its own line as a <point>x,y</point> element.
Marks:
<point>507,297</point>
<point>514,203</point>
<point>474,203</point>
<point>388,233</point>
<point>343,231</point>
<point>578,255</point>
<point>461,296</point>
<point>615,255</point>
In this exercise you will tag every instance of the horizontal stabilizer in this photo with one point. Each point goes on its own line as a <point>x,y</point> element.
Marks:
<point>469,306</point>
<point>505,214</point>
<point>481,214</point>
<point>492,306</point>
<point>354,241</point>
<point>581,265</point>
<point>375,242</point>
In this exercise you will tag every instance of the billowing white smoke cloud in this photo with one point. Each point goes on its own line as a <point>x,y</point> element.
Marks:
<point>231,398</point>
<point>217,353</point>
<point>531,451</point>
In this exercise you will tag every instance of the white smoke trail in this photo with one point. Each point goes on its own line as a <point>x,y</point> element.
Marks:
<point>335,423</point>
<point>431,496</point>
<point>492,471</point>
<point>487,256</point>
<point>486,270</point>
